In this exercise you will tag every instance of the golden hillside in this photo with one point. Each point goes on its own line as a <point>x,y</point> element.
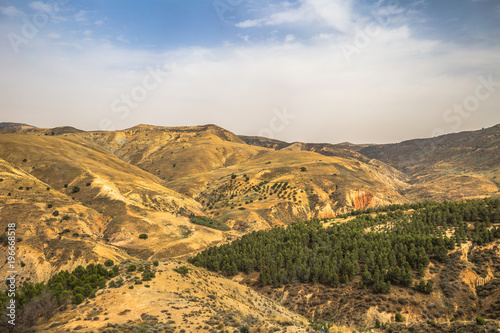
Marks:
<point>232,180</point>
<point>100,200</point>
<point>199,301</point>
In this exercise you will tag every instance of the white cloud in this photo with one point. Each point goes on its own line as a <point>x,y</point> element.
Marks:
<point>12,11</point>
<point>87,32</point>
<point>43,7</point>
<point>334,13</point>
<point>398,87</point>
<point>99,22</point>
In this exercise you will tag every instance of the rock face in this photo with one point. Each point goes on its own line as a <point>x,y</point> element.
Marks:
<point>361,200</point>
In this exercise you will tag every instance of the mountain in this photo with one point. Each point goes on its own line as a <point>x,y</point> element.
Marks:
<point>75,202</point>
<point>325,149</point>
<point>453,167</point>
<point>164,193</point>
<point>240,183</point>
<point>14,126</point>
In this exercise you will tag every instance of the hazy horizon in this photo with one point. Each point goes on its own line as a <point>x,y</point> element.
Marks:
<point>308,70</point>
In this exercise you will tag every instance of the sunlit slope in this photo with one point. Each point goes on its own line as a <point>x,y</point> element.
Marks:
<point>53,232</point>
<point>198,302</point>
<point>225,175</point>
<point>130,200</point>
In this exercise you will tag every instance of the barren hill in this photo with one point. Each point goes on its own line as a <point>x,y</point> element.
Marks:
<point>14,126</point>
<point>454,166</point>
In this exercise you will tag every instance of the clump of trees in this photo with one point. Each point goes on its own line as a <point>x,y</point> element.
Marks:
<point>210,222</point>
<point>40,299</point>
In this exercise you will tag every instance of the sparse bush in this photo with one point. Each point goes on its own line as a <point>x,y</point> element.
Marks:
<point>143,236</point>
<point>183,270</point>
<point>65,217</point>
<point>480,320</point>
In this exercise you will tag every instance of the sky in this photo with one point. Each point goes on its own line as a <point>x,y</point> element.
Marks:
<point>308,70</point>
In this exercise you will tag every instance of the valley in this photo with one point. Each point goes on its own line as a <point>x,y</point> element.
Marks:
<point>169,194</point>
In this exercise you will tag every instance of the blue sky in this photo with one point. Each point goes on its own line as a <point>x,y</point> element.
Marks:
<point>307,70</point>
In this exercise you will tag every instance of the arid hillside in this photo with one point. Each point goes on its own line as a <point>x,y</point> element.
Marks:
<point>75,202</point>
<point>198,301</point>
<point>453,167</point>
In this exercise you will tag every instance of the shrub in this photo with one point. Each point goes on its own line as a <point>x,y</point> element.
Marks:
<point>131,268</point>
<point>49,206</point>
<point>480,320</point>
<point>65,185</point>
<point>78,299</point>
<point>143,236</point>
<point>88,184</point>
<point>76,189</point>
<point>25,160</point>
<point>244,329</point>
<point>399,318</point>
<point>303,169</point>
<point>109,263</point>
<point>112,284</point>
<point>155,263</point>
<point>377,323</point>
<point>183,270</point>
<point>65,217</point>
<point>55,213</point>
